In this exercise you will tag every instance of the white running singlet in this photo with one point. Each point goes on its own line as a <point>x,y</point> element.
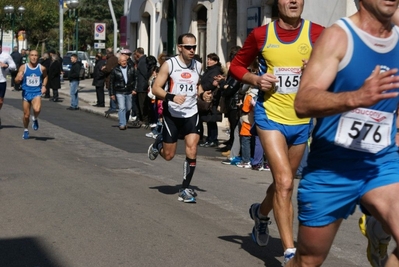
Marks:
<point>183,80</point>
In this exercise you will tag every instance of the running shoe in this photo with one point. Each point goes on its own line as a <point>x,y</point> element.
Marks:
<point>151,135</point>
<point>153,149</point>
<point>376,247</point>
<point>245,165</point>
<point>25,135</point>
<point>288,255</point>
<point>260,232</point>
<point>35,124</point>
<point>187,195</point>
<point>260,167</point>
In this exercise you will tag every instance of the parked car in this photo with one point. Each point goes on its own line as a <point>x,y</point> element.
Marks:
<point>85,59</point>
<point>66,67</point>
<point>93,60</point>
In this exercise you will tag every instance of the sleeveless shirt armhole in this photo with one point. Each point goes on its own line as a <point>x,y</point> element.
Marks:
<point>349,48</point>
<point>266,31</point>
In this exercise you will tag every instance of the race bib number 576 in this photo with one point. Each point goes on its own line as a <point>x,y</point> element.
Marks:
<point>364,130</point>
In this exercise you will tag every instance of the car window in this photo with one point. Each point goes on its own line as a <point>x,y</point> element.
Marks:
<point>66,60</point>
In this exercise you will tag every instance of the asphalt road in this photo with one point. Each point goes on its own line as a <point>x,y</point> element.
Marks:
<point>81,193</point>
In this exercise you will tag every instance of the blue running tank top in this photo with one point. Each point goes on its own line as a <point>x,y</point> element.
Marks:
<point>32,81</point>
<point>363,137</point>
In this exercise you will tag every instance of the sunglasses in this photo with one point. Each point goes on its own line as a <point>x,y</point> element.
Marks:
<point>189,47</point>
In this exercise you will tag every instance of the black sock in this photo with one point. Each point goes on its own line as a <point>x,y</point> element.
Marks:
<point>188,171</point>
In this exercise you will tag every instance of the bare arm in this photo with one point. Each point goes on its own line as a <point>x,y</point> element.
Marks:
<point>45,79</point>
<point>20,74</point>
<point>397,127</point>
<point>313,99</point>
<point>160,81</point>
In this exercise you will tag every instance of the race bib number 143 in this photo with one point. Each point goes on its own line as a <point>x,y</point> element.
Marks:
<point>364,130</point>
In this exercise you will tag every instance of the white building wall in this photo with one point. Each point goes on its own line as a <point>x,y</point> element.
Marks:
<point>322,12</point>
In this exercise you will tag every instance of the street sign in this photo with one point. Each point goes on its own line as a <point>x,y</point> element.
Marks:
<point>253,18</point>
<point>99,31</point>
<point>99,45</point>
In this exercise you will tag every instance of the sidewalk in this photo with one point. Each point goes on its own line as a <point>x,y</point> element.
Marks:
<point>87,98</point>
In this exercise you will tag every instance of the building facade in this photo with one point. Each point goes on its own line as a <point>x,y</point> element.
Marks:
<point>218,24</point>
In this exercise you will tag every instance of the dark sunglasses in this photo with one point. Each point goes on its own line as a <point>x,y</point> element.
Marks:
<point>189,47</point>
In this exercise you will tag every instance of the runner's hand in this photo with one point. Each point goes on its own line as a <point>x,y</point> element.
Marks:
<point>179,99</point>
<point>267,82</point>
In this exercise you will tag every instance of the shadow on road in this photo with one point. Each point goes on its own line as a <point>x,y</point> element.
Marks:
<point>267,254</point>
<point>26,251</point>
<point>171,190</point>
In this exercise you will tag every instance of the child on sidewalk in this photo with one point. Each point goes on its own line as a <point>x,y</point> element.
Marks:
<point>247,120</point>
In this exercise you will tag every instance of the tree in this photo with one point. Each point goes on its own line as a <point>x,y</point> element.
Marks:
<point>41,21</point>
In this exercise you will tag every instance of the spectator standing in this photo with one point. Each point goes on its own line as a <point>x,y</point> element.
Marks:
<point>74,75</point>
<point>54,76</point>
<point>143,101</point>
<point>122,82</point>
<point>45,61</point>
<point>230,88</point>
<point>283,135</point>
<point>247,120</point>
<point>134,110</point>
<point>212,116</point>
<point>111,63</point>
<point>33,79</point>
<point>24,57</point>
<point>16,57</point>
<point>99,80</point>
<point>6,64</point>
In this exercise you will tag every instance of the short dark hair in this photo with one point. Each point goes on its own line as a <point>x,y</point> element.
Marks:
<point>214,57</point>
<point>233,51</point>
<point>139,50</point>
<point>74,55</point>
<point>188,35</point>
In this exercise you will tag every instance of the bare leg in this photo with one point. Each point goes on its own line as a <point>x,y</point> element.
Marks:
<point>283,161</point>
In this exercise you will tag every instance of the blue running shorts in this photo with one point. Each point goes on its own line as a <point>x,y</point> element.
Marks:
<point>325,196</point>
<point>29,96</point>
<point>294,134</point>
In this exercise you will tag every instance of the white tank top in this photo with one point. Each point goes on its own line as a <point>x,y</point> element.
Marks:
<point>183,80</point>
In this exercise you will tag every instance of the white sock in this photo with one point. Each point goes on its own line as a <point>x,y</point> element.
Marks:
<point>26,130</point>
<point>33,118</point>
<point>289,251</point>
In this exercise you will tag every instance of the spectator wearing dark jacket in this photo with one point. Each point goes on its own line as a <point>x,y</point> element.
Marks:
<point>98,80</point>
<point>45,61</point>
<point>143,101</point>
<point>121,84</point>
<point>54,77</point>
<point>111,63</point>
<point>73,77</point>
<point>211,117</point>
<point>16,57</point>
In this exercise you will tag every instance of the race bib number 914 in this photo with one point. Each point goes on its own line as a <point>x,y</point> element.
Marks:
<point>186,89</point>
<point>364,130</point>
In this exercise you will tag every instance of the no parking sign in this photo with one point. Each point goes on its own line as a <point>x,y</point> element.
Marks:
<point>99,31</point>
